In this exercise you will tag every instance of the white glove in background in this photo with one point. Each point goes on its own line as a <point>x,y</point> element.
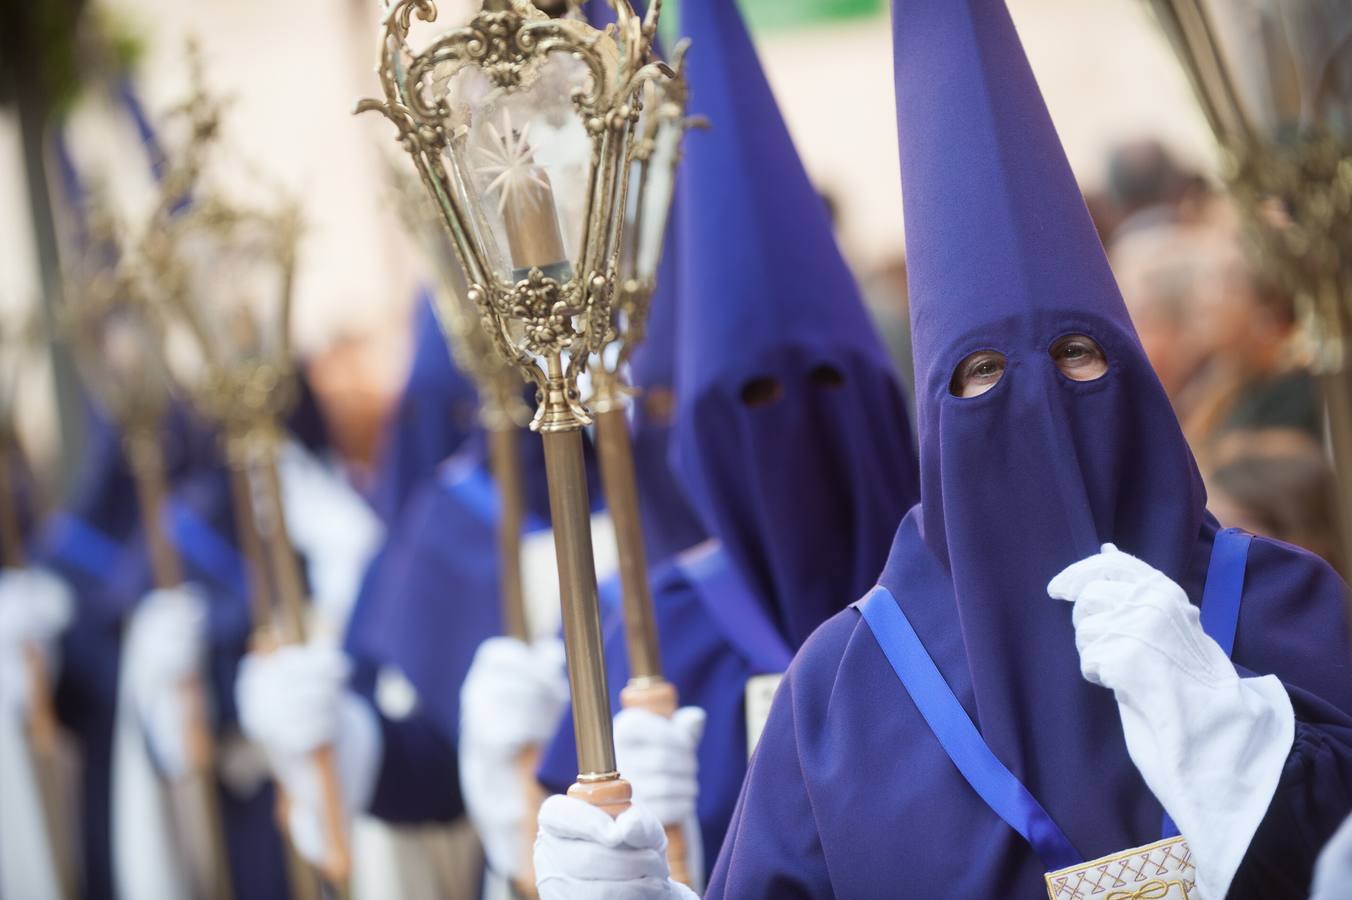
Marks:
<point>1333,870</point>
<point>163,651</point>
<point>1210,745</point>
<point>657,756</point>
<point>335,529</point>
<point>511,701</point>
<point>163,647</point>
<point>294,701</point>
<point>35,607</point>
<point>583,854</point>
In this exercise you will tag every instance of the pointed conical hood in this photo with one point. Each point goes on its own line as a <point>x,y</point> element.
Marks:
<point>669,524</point>
<point>1072,443</point>
<point>792,436</point>
<point>436,412</point>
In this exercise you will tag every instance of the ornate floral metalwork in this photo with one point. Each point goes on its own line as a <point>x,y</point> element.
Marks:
<point>545,321</point>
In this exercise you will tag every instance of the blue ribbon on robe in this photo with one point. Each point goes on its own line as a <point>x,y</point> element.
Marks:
<point>78,544</point>
<point>958,735</point>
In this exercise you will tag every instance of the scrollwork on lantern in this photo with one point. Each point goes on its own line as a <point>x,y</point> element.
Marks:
<point>656,156</point>
<point>523,128</point>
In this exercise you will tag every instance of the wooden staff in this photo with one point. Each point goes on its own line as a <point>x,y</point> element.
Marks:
<point>152,490</point>
<point>43,730</point>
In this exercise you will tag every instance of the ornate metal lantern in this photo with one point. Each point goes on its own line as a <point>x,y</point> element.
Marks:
<point>116,340</point>
<point>222,281</point>
<point>522,128</point>
<point>116,348</point>
<point>1274,78</point>
<point>502,410</point>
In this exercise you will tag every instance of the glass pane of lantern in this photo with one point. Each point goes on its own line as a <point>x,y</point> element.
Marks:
<point>119,359</point>
<point>657,193</point>
<point>520,160</point>
<point>1290,63</point>
<point>235,275</point>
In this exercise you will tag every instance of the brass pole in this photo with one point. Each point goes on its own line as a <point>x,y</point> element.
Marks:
<point>615,451</point>
<point>152,489</point>
<point>281,555</point>
<point>597,782</point>
<point>260,600</point>
<point>337,867</point>
<point>505,464</point>
<point>147,467</point>
<point>648,688</point>
<point>304,886</point>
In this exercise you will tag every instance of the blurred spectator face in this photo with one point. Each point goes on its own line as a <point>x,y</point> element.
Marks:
<point>1157,270</point>
<point>1239,318</point>
<point>1277,483</point>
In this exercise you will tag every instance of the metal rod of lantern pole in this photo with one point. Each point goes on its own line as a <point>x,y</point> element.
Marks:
<point>598,782</point>
<point>503,439</point>
<point>337,866</point>
<point>251,546</point>
<point>615,451</point>
<point>147,467</point>
<point>648,688</point>
<point>305,885</point>
<point>42,724</point>
<point>199,785</point>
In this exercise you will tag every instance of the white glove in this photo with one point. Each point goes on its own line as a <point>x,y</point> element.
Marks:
<point>656,755</point>
<point>1210,745</point>
<point>294,701</point>
<point>1333,871</point>
<point>335,529</point>
<point>164,650</point>
<point>583,854</point>
<point>511,701</point>
<point>35,607</point>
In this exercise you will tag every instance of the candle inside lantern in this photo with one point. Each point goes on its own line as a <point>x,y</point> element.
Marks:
<point>525,200</point>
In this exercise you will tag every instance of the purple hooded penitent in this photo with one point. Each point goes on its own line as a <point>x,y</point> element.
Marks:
<point>792,437</point>
<point>669,524</point>
<point>435,414</point>
<point>1016,484</point>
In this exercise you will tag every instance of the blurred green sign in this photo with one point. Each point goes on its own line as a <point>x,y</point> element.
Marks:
<point>781,14</point>
<point>797,13</point>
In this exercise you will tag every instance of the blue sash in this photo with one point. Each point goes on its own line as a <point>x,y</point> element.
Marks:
<point>958,735</point>
<point>469,481</point>
<point>80,545</point>
<point>201,545</point>
<point>741,620</point>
